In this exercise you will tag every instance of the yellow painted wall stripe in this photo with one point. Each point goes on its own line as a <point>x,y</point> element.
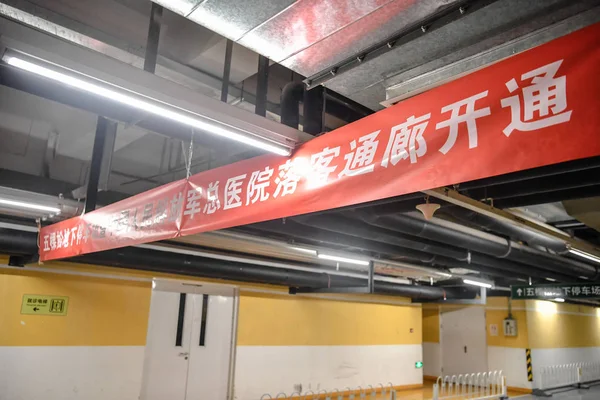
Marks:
<point>114,312</point>
<point>310,322</point>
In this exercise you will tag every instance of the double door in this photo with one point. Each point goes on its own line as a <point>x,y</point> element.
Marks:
<point>190,345</point>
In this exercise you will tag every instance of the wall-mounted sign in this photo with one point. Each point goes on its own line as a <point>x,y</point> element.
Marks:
<point>41,304</point>
<point>419,364</point>
<point>554,291</point>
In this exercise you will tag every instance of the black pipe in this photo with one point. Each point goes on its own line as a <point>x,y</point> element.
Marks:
<point>336,239</point>
<point>313,111</point>
<point>291,96</point>
<point>411,248</point>
<point>522,254</point>
<point>521,234</point>
<point>19,242</point>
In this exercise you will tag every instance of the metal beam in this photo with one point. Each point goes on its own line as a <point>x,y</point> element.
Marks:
<point>154,25</point>
<point>105,169</point>
<point>262,84</point>
<point>103,127</point>
<point>226,70</point>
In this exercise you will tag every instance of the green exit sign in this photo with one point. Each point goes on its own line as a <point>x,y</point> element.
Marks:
<point>419,364</point>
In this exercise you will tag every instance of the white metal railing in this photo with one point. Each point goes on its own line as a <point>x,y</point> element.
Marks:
<point>555,376</point>
<point>476,386</point>
<point>379,392</point>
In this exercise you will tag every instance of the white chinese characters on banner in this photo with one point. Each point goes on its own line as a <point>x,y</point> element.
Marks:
<point>233,190</point>
<point>321,166</point>
<point>406,141</point>
<point>212,198</point>
<point>287,179</point>
<point>192,205</point>
<point>546,97</point>
<point>360,159</point>
<point>469,117</point>
<point>258,185</point>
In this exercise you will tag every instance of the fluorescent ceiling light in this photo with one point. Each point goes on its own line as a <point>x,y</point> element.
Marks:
<point>550,279</point>
<point>585,255</point>
<point>144,105</point>
<point>303,250</point>
<point>444,274</point>
<point>559,299</point>
<point>343,259</point>
<point>30,206</point>
<point>478,283</point>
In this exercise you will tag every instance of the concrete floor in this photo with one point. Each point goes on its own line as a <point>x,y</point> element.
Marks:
<point>591,394</point>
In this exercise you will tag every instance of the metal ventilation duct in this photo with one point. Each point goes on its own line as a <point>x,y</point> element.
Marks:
<point>307,36</point>
<point>360,48</point>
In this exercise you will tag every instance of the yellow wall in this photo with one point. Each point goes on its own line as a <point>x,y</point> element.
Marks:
<point>114,312</point>
<point>295,321</point>
<point>431,325</point>
<point>555,325</point>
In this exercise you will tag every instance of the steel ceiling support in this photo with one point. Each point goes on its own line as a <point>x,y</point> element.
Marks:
<point>567,181</point>
<point>104,128</point>
<point>262,85</point>
<point>534,173</point>
<point>226,70</point>
<point>152,42</point>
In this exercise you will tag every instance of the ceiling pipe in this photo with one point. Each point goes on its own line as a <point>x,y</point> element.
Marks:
<point>21,242</point>
<point>472,239</point>
<point>446,255</point>
<point>513,231</point>
<point>291,96</point>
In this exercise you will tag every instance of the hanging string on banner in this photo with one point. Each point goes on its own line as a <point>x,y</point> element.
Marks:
<point>188,159</point>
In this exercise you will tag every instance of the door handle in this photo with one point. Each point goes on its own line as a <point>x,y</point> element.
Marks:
<point>465,349</point>
<point>184,355</point>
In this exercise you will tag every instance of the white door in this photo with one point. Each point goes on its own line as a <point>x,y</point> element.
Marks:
<point>190,345</point>
<point>209,349</point>
<point>463,341</point>
<point>167,347</point>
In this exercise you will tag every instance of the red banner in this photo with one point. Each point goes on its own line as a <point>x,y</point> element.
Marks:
<point>536,108</point>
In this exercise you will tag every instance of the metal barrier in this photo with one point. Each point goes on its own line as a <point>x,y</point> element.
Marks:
<point>565,375</point>
<point>477,386</point>
<point>369,393</point>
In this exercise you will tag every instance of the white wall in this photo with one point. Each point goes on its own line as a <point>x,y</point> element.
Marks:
<point>115,372</point>
<point>71,372</point>
<point>276,369</point>
<point>432,359</point>
<point>512,362</point>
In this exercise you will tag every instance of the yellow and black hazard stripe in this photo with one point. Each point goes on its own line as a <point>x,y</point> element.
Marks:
<point>529,368</point>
